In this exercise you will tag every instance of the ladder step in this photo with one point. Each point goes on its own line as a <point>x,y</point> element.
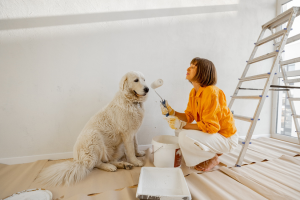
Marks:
<point>297,116</point>
<point>287,62</point>
<point>289,40</point>
<point>285,86</point>
<point>264,57</point>
<point>246,97</point>
<point>271,37</point>
<point>296,80</point>
<point>280,19</point>
<point>248,119</point>
<point>250,78</point>
<point>294,99</point>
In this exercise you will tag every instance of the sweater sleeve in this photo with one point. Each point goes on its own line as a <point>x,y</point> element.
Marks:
<point>209,122</point>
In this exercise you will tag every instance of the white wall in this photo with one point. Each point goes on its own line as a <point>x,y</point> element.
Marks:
<point>61,61</point>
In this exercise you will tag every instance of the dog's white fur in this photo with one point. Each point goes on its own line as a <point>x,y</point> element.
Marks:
<point>107,136</point>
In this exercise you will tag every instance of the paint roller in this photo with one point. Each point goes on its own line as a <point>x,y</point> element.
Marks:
<point>156,84</point>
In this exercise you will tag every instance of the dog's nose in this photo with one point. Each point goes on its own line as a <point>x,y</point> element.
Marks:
<point>146,89</point>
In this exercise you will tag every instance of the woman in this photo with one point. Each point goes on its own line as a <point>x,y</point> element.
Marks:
<point>215,132</point>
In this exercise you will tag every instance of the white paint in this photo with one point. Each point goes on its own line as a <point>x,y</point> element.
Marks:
<point>167,183</point>
<point>61,61</point>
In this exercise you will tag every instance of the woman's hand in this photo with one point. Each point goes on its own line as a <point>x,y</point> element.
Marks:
<point>167,109</point>
<point>175,123</point>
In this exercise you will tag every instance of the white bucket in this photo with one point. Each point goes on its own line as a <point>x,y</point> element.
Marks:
<point>166,151</point>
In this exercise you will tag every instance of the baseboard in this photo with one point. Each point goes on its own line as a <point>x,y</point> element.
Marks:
<point>28,159</point>
<point>255,136</point>
<point>144,147</point>
<point>55,156</point>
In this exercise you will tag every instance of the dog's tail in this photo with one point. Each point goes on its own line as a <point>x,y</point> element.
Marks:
<point>68,173</point>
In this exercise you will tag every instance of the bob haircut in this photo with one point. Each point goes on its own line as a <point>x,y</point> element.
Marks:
<point>206,72</point>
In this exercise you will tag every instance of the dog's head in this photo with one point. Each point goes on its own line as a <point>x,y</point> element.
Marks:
<point>133,85</point>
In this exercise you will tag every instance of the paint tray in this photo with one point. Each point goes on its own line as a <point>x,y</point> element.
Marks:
<point>162,183</point>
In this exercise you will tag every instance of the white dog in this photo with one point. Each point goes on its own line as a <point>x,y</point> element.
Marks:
<point>107,136</point>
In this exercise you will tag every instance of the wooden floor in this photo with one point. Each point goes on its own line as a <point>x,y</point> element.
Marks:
<point>271,171</point>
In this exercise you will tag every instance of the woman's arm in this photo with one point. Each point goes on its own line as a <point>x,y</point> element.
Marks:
<point>181,116</point>
<point>191,126</point>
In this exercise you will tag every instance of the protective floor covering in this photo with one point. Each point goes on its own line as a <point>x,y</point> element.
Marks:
<point>261,149</point>
<point>278,178</point>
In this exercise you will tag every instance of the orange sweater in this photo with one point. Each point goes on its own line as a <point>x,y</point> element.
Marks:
<point>208,107</point>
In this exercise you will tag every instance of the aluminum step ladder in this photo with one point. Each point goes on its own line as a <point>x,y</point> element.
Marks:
<point>287,16</point>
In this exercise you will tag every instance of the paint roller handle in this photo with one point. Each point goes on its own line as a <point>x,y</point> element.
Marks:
<point>166,109</point>
<point>163,102</point>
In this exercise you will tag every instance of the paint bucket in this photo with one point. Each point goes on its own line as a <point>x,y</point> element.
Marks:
<point>166,151</point>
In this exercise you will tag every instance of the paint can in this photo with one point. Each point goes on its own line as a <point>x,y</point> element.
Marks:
<point>166,151</point>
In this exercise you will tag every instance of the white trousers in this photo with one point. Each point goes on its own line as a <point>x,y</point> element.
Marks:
<point>197,146</point>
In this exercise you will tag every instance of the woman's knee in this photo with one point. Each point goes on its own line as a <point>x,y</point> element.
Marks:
<point>181,137</point>
<point>182,134</point>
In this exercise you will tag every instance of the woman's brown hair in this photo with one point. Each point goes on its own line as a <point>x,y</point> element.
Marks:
<point>206,72</point>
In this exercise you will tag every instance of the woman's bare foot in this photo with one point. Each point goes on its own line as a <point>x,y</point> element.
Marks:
<point>208,164</point>
<point>201,166</point>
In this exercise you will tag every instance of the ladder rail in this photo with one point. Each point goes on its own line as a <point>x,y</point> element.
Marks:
<point>266,89</point>
<point>292,105</point>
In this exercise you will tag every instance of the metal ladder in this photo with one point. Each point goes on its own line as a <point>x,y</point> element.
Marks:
<point>287,16</point>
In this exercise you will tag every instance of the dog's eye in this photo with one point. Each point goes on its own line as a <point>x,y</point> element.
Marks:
<point>136,80</point>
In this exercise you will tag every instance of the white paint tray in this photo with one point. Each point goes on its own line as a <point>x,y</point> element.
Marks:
<point>162,184</point>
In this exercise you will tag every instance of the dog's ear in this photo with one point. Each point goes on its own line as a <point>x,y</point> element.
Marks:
<point>123,82</point>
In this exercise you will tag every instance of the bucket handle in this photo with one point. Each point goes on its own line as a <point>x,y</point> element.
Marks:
<point>157,149</point>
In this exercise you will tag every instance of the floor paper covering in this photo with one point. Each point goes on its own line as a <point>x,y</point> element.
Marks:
<point>261,149</point>
<point>252,181</point>
<point>127,193</point>
<point>98,181</point>
<point>277,179</point>
<point>16,178</point>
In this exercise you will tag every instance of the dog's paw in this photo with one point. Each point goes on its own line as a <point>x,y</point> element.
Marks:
<point>111,168</point>
<point>140,153</point>
<point>138,163</point>
<point>128,165</point>
<point>107,167</point>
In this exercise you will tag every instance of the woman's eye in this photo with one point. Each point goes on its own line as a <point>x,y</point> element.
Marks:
<point>136,80</point>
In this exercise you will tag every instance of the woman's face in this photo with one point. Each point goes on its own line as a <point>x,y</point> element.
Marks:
<point>191,72</point>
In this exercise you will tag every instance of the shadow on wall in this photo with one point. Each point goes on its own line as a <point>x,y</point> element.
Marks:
<point>19,23</point>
